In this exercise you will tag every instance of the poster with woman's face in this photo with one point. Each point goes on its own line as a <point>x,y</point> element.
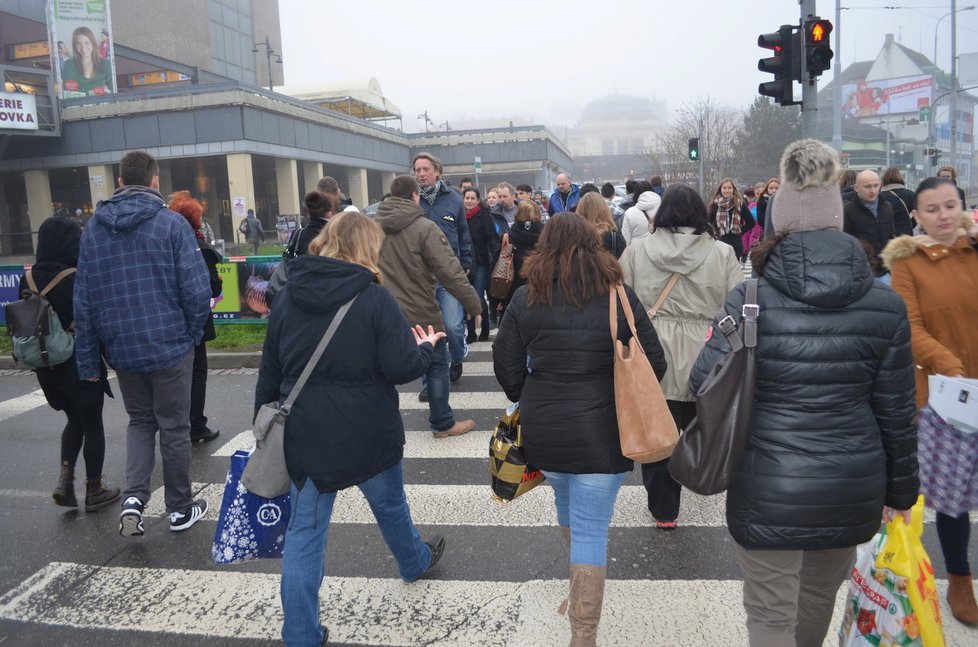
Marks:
<point>81,44</point>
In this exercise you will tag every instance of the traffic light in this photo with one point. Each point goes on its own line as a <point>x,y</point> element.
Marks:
<point>785,65</point>
<point>818,53</point>
<point>694,149</point>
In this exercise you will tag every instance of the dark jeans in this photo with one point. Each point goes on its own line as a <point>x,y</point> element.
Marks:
<point>954,534</point>
<point>440,414</point>
<point>479,278</point>
<point>198,390</point>
<point>664,492</point>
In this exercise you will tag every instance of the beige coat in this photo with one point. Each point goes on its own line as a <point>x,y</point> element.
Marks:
<point>939,284</point>
<point>708,270</point>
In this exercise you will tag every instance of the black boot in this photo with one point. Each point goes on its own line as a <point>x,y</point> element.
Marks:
<point>98,495</point>
<point>64,493</point>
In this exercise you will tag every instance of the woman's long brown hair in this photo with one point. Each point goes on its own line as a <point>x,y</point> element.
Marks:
<point>569,255</point>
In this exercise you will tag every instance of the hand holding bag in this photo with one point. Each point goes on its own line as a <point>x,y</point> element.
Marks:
<point>503,274</point>
<point>646,429</point>
<point>712,446</point>
<point>510,475</point>
<point>266,473</point>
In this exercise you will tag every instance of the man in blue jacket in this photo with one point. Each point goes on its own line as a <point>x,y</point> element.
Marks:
<point>565,197</point>
<point>142,293</point>
<point>444,207</point>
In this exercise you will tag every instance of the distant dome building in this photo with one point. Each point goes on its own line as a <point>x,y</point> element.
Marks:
<point>611,133</point>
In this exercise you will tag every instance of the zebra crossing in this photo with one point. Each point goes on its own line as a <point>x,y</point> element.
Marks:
<point>500,582</point>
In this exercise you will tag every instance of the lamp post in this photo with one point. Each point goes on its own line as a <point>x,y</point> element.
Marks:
<point>269,52</point>
<point>937,27</point>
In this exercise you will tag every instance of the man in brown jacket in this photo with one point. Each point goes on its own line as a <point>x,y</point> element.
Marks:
<point>414,257</point>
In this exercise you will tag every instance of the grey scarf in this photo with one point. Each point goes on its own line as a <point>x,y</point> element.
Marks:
<point>430,193</point>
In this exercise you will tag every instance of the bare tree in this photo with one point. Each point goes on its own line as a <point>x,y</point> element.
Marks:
<point>715,125</point>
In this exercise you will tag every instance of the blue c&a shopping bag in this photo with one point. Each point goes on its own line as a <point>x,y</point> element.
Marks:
<point>249,526</point>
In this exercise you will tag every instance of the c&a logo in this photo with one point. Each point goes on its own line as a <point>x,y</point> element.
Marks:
<point>269,514</point>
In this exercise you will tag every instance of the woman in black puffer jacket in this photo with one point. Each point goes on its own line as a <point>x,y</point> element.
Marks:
<point>833,441</point>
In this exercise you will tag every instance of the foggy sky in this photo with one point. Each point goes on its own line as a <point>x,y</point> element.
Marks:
<point>544,60</point>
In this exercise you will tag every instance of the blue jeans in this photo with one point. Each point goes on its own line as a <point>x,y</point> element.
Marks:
<point>480,281</point>
<point>303,561</point>
<point>585,503</point>
<point>436,380</point>
<point>454,317</point>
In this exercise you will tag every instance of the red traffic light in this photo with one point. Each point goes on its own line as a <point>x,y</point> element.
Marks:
<point>817,31</point>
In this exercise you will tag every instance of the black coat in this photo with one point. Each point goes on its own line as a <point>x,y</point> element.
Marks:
<point>762,210</point>
<point>308,233</point>
<point>211,259</point>
<point>567,396</point>
<point>524,236</point>
<point>485,240</point>
<point>57,249</point>
<point>858,220</point>
<point>614,242</point>
<point>902,201</point>
<point>346,426</point>
<point>833,435</point>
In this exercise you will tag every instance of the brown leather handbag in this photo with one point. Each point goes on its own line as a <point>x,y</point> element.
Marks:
<point>645,427</point>
<point>504,273</point>
<point>709,453</point>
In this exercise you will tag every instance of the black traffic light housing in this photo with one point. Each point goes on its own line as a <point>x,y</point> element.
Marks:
<point>785,65</point>
<point>818,52</point>
<point>694,149</point>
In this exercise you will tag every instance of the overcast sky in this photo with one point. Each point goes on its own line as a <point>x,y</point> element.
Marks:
<point>544,60</point>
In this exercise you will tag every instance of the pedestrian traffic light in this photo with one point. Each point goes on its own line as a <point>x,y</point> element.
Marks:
<point>694,148</point>
<point>818,53</point>
<point>785,65</point>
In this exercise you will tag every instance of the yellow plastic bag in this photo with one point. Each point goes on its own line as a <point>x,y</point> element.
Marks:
<point>903,555</point>
<point>892,593</point>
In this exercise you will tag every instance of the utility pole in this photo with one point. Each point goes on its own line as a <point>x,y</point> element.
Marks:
<point>954,84</point>
<point>427,120</point>
<point>268,55</point>
<point>809,91</point>
<point>837,73</point>
<point>701,140</point>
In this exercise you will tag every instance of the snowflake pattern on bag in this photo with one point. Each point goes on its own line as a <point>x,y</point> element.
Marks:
<point>948,460</point>
<point>249,526</point>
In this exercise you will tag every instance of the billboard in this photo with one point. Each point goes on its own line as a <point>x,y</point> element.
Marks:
<point>82,55</point>
<point>18,111</point>
<point>887,96</point>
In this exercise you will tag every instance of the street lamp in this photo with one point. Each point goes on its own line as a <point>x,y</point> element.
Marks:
<point>269,52</point>
<point>937,27</point>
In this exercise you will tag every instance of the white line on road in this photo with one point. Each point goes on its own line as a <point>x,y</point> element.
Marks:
<point>418,444</point>
<point>471,505</point>
<point>462,401</point>
<point>24,403</point>
<point>385,611</point>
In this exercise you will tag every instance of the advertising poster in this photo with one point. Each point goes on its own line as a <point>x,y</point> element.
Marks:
<point>887,97</point>
<point>81,47</point>
<point>245,282</point>
<point>9,284</point>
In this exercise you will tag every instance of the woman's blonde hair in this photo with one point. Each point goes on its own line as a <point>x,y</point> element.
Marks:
<point>527,211</point>
<point>595,210</point>
<point>352,237</point>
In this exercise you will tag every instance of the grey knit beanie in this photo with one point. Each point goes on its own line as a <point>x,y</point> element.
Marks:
<point>808,198</point>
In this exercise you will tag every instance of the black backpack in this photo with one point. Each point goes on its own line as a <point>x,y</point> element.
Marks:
<point>39,339</point>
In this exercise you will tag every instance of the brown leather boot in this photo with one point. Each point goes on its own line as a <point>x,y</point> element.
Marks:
<point>586,597</point>
<point>64,492</point>
<point>961,597</point>
<point>98,495</point>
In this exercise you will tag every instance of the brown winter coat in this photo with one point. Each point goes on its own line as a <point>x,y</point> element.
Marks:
<point>939,284</point>
<point>414,257</point>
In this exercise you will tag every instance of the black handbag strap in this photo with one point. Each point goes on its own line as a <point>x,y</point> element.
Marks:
<point>316,354</point>
<point>749,312</point>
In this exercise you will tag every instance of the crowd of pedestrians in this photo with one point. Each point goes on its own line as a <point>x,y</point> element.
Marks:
<point>865,289</point>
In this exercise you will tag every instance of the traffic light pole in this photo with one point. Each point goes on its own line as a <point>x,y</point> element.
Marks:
<point>809,91</point>
<point>837,79</point>
<point>701,157</point>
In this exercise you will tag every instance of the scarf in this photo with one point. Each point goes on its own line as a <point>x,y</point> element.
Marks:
<point>430,193</point>
<point>471,212</point>
<point>727,223</point>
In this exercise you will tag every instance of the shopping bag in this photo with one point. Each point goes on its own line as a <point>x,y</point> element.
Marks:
<point>948,472</point>
<point>892,596</point>
<point>510,475</point>
<point>249,526</point>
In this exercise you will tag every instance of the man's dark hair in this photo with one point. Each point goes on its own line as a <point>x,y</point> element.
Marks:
<point>682,206</point>
<point>655,180</point>
<point>630,186</point>
<point>404,186</point>
<point>464,180</point>
<point>138,168</point>
<point>525,188</point>
<point>641,187</point>
<point>588,188</point>
<point>607,190</point>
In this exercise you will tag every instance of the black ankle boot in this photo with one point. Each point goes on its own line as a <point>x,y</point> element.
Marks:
<point>64,493</point>
<point>98,495</point>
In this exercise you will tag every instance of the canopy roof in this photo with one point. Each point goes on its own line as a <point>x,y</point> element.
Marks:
<point>361,99</point>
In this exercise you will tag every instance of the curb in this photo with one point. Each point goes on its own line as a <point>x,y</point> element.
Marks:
<point>214,360</point>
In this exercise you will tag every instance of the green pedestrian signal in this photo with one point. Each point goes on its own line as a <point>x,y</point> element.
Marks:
<point>694,148</point>
<point>923,114</point>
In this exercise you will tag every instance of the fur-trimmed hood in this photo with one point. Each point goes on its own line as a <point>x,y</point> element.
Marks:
<point>905,246</point>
